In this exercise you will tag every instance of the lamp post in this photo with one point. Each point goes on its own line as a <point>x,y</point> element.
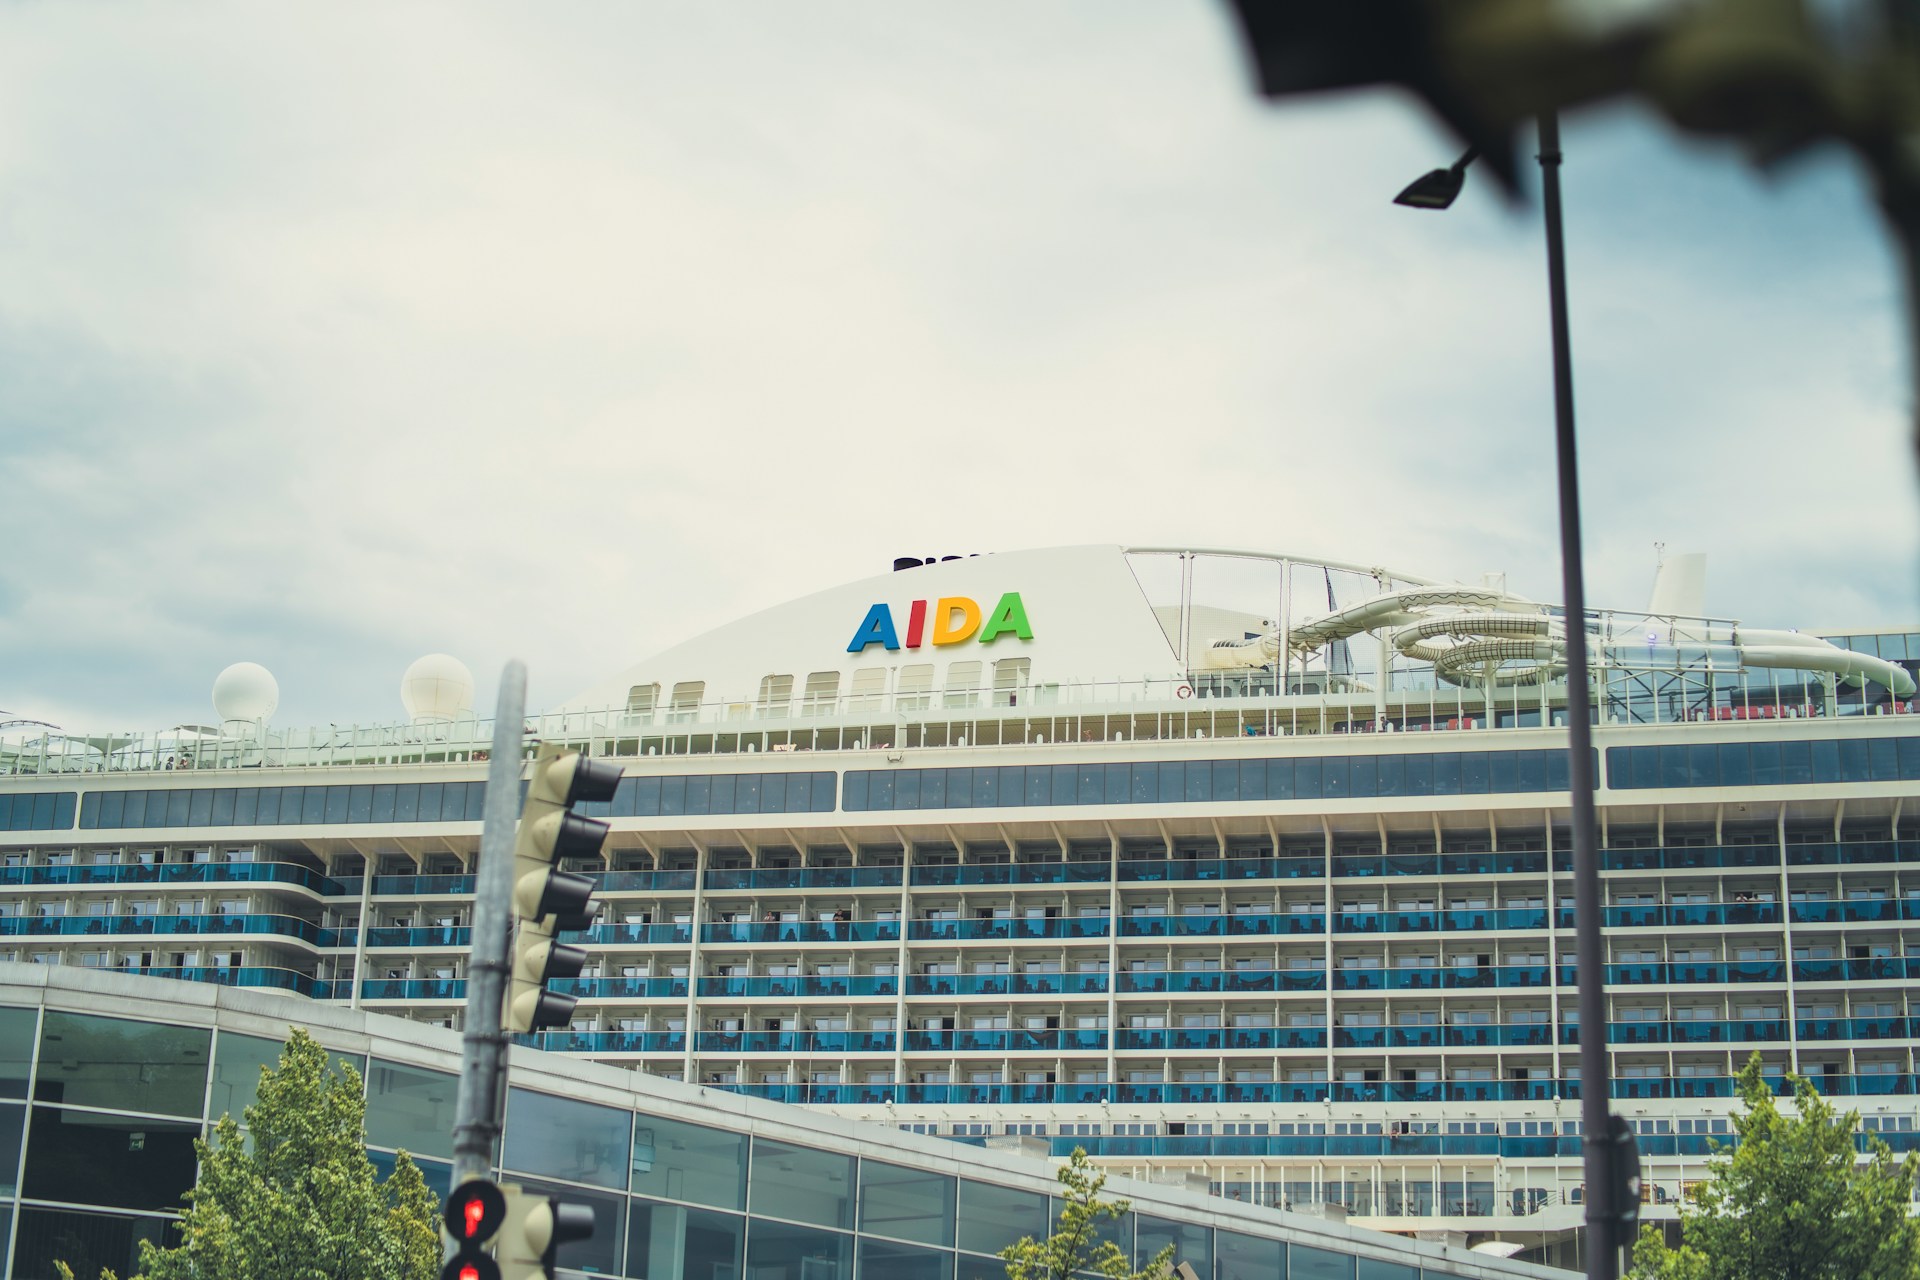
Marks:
<point>1604,1146</point>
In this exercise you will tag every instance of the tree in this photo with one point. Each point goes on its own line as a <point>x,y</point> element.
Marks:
<point>1074,1246</point>
<point>1792,1201</point>
<point>294,1197</point>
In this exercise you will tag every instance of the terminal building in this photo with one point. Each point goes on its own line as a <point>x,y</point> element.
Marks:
<point>1230,866</point>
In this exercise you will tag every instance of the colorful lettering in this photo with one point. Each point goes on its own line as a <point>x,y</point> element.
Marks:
<point>1009,615</point>
<point>956,619</point>
<point>945,629</point>
<point>877,629</point>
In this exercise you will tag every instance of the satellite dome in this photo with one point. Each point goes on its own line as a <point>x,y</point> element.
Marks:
<point>437,687</point>
<point>247,692</point>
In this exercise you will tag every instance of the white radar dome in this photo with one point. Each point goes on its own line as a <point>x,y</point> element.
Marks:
<point>245,691</point>
<point>437,687</point>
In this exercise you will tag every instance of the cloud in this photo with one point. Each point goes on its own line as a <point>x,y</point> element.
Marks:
<point>569,335</point>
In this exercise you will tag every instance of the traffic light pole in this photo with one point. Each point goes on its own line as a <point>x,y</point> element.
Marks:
<point>483,1055</point>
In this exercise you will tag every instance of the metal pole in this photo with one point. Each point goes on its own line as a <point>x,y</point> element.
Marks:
<point>1589,955</point>
<point>483,1051</point>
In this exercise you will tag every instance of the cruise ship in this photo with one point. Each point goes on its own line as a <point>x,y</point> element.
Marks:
<point>1220,864</point>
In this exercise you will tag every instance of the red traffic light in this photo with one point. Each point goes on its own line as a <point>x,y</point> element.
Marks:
<point>474,1211</point>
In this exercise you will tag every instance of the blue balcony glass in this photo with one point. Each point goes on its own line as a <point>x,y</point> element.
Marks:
<point>211,873</point>
<point>1866,911</point>
<point>1741,971</point>
<point>1523,975</point>
<point>167,926</point>
<point>1747,913</point>
<point>1360,980</point>
<point>1413,864</point>
<point>1478,1091</point>
<point>1358,921</point>
<point>414,989</point>
<point>1820,912</point>
<point>1466,976</point>
<point>1819,970</point>
<point>1634,974</point>
<point>1359,1037</point>
<point>1365,864</point>
<point>1042,984</point>
<point>419,886</point>
<point>1747,1029</point>
<point>612,1041</point>
<point>1643,916</point>
<point>1879,1028</point>
<point>1413,921</point>
<point>1482,1036</point>
<point>1637,1033</point>
<point>1693,1032</point>
<point>635,988</point>
<point>1425,1037</point>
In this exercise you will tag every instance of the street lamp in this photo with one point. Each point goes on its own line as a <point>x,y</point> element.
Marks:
<point>1606,1144</point>
<point>1440,188</point>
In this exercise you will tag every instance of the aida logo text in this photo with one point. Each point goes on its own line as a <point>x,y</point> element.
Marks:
<point>948,620</point>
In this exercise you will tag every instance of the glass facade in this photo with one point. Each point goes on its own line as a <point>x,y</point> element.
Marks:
<point>1764,764</point>
<point>1430,773</point>
<point>97,1176</point>
<point>37,811</point>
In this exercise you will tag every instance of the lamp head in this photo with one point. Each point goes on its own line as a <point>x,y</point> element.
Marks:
<point>1436,190</point>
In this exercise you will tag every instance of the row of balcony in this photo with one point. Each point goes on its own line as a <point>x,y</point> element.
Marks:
<point>167,926</point>
<point>1213,1093</point>
<point>164,873</point>
<point>1510,977</point>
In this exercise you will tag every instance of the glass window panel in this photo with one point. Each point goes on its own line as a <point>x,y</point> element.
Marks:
<point>856,794</point>
<point>776,1251</point>
<point>566,1138</point>
<point>1766,763</point>
<point>1854,760</point>
<point>1884,758</point>
<point>885,1260</point>
<point>1476,774</point>
<point>113,806</point>
<point>1393,775</point>
<point>1736,764</point>
<point>199,808</point>
<point>1306,779</point>
<point>87,1242</point>
<point>113,1062</point>
<point>676,1161</point>
<point>798,788</point>
<point>127,1162</point>
<point>1796,762</point>
<point>672,1240</point>
<point>237,1061</point>
<point>909,1204</point>
<point>1192,1243</point>
<point>646,797</point>
<point>1446,774</point>
<point>406,802</point>
<point>1419,775</point>
<point>1363,776</point>
<point>801,1184</point>
<point>1336,776</point>
<point>223,807</point>
<point>1307,1263</point>
<point>1375,1269</point>
<point>821,790</point>
<point>266,802</point>
<point>1244,1257</point>
<point>136,809</point>
<point>699,797</point>
<point>178,804</point>
<point>16,1051</point>
<point>410,1108</point>
<point>1039,785</point>
<point>1826,761</point>
<point>1226,780</point>
<point>601,1252</point>
<point>969,1267</point>
<point>993,1217</point>
<point>13,1130</point>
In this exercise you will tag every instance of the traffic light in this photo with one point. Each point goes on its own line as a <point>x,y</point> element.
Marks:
<point>536,1227</point>
<point>474,1214</point>
<point>547,901</point>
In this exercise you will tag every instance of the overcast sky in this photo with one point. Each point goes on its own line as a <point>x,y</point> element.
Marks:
<point>335,335</point>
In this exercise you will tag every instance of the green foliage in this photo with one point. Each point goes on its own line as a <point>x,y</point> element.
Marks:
<point>1073,1248</point>
<point>1792,1201</point>
<point>295,1197</point>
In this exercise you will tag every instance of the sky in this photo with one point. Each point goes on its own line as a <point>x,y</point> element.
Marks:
<point>331,336</point>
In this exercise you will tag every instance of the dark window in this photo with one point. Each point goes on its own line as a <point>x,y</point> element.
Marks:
<point>906,1203</point>
<point>670,1240</point>
<point>410,1108</point>
<point>992,1217</point>
<point>127,1162</point>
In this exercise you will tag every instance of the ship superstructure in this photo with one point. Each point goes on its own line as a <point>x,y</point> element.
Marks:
<point>1244,865</point>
